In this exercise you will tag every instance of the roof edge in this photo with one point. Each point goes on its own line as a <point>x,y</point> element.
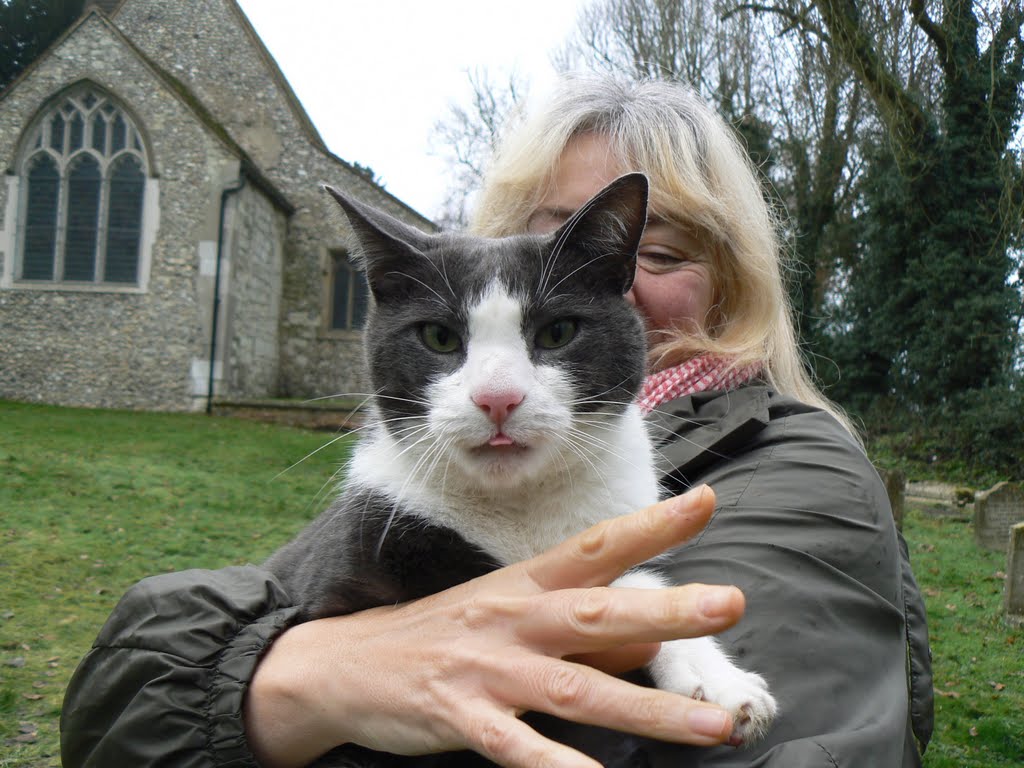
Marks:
<point>300,112</point>
<point>109,7</point>
<point>181,93</point>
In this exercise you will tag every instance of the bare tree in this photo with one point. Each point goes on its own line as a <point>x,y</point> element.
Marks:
<point>468,136</point>
<point>642,38</point>
<point>816,109</point>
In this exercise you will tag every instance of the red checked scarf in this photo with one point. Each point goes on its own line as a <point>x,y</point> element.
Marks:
<point>699,374</point>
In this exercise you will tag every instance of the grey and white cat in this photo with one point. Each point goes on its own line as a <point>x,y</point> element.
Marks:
<point>503,374</point>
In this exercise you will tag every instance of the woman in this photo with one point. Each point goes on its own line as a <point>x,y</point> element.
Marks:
<point>801,525</point>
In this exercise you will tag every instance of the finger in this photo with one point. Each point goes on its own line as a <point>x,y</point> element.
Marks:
<point>510,742</point>
<point>604,552</point>
<point>598,618</point>
<point>585,695</point>
<point>618,661</point>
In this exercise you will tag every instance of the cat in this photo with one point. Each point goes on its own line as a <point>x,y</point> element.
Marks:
<point>502,422</point>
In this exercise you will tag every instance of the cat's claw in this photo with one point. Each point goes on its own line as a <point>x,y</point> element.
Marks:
<point>699,670</point>
<point>748,700</point>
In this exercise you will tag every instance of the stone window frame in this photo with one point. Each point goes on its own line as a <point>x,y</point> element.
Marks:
<point>90,103</point>
<point>334,258</point>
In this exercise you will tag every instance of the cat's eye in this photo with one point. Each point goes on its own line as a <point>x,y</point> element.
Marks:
<point>557,334</point>
<point>440,338</point>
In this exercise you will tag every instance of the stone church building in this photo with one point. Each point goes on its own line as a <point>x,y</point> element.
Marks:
<point>161,220</point>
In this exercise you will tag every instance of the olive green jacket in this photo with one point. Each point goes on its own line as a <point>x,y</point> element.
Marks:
<point>834,620</point>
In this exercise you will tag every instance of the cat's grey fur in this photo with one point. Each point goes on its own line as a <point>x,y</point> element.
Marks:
<point>492,437</point>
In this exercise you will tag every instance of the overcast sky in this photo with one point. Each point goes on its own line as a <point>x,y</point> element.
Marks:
<point>376,76</point>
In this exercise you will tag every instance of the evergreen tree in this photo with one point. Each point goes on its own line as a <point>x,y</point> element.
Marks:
<point>930,308</point>
<point>29,27</point>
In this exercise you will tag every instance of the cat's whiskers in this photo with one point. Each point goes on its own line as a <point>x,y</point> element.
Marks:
<point>444,477</point>
<point>312,453</point>
<point>603,446</point>
<point>338,395</point>
<point>552,450</point>
<point>341,435</point>
<point>443,273</point>
<point>586,456</point>
<point>417,280</point>
<point>547,293</point>
<point>620,386</point>
<point>370,396</point>
<point>336,478</point>
<point>548,264</point>
<point>607,426</point>
<point>598,448</point>
<point>649,425</point>
<point>400,495</point>
<point>440,452</point>
<point>436,449</point>
<point>673,435</point>
<point>556,250</point>
<point>348,432</point>
<point>418,422</point>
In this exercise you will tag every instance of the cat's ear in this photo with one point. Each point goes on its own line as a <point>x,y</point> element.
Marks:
<point>605,233</point>
<point>388,248</point>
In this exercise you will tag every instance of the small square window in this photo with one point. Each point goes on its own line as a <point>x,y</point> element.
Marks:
<point>350,294</point>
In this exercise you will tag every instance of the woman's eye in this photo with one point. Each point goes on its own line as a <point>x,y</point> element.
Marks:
<point>661,262</point>
<point>439,338</point>
<point>557,334</point>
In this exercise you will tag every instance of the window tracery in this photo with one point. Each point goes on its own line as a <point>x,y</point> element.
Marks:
<point>84,175</point>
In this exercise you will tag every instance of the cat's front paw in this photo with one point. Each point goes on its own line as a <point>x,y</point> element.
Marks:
<point>747,698</point>
<point>699,669</point>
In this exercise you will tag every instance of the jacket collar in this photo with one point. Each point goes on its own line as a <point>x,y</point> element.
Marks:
<point>692,432</point>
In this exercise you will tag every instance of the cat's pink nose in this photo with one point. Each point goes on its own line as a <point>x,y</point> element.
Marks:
<point>498,404</point>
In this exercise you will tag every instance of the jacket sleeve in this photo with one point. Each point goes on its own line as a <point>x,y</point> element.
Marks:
<point>803,526</point>
<point>164,681</point>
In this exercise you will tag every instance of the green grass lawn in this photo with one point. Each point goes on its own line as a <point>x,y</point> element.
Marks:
<point>978,661</point>
<point>91,501</point>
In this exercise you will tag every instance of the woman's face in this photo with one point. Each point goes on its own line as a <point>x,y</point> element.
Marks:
<point>672,288</point>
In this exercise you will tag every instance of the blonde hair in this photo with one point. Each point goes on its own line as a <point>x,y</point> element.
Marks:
<point>701,180</point>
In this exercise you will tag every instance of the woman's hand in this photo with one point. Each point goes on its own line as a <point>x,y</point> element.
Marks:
<point>454,670</point>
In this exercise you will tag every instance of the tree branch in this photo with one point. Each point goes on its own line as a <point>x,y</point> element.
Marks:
<point>907,122</point>
<point>796,20</point>
<point>1006,74</point>
<point>934,32</point>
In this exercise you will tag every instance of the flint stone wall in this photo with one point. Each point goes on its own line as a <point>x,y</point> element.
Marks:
<point>96,347</point>
<point>254,297</point>
<point>211,47</point>
<point>151,349</point>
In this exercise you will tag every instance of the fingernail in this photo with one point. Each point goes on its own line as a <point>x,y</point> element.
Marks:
<point>714,603</point>
<point>708,722</point>
<point>683,504</point>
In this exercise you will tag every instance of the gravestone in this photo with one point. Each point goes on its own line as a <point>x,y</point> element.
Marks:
<point>895,482</point>
<point>995,511</point>
<point>1014,590</point>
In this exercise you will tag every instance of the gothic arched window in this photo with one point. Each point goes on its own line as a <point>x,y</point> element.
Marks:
<point>84,172</point>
